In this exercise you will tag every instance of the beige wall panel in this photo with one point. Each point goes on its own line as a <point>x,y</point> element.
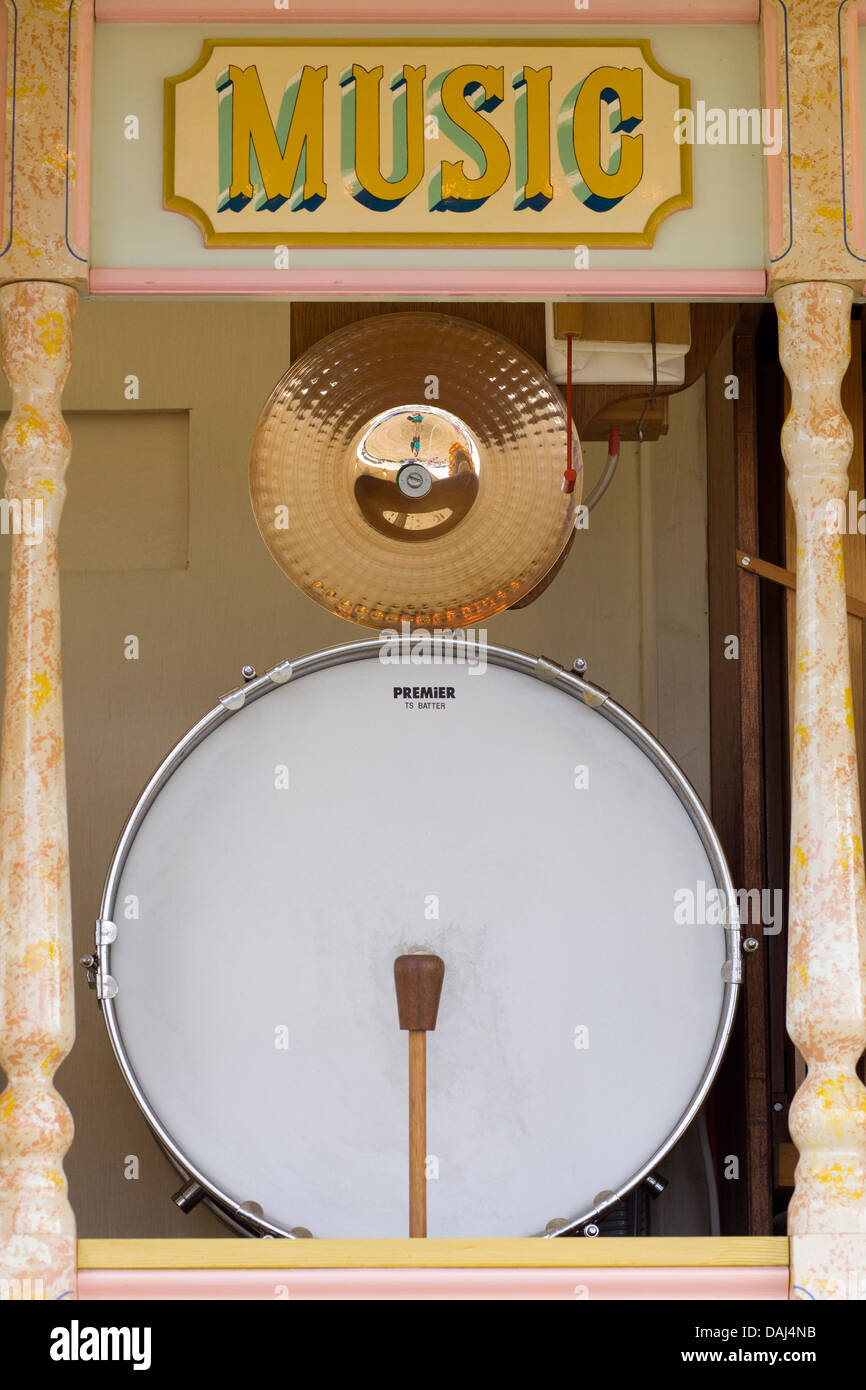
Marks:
<point>129,508</point>
<point>214,365</point>
<point>679,513</point>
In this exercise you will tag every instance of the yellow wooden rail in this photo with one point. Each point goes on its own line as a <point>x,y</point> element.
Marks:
<point>646,1252</point>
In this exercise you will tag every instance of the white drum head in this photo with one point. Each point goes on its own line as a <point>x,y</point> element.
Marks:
<point>279,867</point>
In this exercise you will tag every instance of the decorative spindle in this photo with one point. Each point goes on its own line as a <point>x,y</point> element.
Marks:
<point>37,1227</point>
<point>827,934</point>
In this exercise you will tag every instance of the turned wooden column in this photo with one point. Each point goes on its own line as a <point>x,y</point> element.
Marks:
<point>816,260</point>
<point>827,913</point>
<point>37,1227</point>
<point>43,263</point>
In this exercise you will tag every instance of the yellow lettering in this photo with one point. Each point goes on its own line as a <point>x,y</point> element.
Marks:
<point>290,157</point>
<point>532,154</point>
<point>465,93</point>
<point>600,183</point>
<point>363,173</point>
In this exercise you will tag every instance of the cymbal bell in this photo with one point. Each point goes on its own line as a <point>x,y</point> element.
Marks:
<point>409,468</point>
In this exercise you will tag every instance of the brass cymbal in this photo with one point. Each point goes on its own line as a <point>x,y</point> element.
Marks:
<point>409,468</point>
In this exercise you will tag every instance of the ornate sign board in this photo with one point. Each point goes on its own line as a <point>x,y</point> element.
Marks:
<point>378,142</point>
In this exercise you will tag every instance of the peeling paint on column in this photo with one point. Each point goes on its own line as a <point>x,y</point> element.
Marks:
<point>37,1227</point>
<point>827,920</point>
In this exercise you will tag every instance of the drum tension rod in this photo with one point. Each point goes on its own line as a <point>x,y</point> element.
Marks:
<point>593,695</point>
<point>104,984</point>
<point>549,671</point>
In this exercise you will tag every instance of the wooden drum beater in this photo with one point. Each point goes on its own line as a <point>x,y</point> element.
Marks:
<point>418,980</point>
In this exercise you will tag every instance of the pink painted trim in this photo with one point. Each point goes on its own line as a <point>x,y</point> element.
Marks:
<point>81,202</point>
<point>435,284</point>
<point>561,1284</point>
<point>433,11</point>
<point>854,189</point>
<point>774,167</point>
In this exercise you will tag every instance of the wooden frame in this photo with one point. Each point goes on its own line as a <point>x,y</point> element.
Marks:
<point>659,1252</point>
<point>736,739</point>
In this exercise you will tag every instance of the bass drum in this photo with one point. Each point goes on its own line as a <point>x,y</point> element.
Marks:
<point>347,807</point>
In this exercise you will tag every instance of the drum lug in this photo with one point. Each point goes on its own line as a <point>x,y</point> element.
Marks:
<point>550,671</point>
<point>188,1196</point>
<point>547,670</point>
<point>278,675</point>
<point>97,978</point>
<point>105,985</point>
<point>234,700</point>
<point>593,695</point>
<point>106,932</point>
